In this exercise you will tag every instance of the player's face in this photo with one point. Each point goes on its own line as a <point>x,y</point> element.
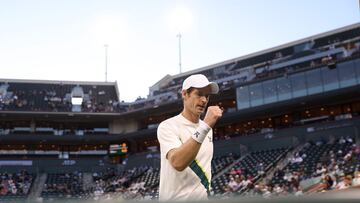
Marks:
<point>197,100</point>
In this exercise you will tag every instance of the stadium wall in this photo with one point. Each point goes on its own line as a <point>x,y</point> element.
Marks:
<point>123,126</point>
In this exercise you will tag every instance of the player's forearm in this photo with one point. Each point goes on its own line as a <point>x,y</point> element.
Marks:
<point>181,157</point>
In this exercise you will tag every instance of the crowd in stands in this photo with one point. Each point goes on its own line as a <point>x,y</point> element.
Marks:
<point>101,101</point>
<point>318,167</point>
<point>16,96</point>
<point>243,175</point>
<point>15,186</point>
<point>63,185</point>
<point>133,184</point>
<point>33,100</point>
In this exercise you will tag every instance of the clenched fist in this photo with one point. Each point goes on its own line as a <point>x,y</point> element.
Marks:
<point>213,113</point>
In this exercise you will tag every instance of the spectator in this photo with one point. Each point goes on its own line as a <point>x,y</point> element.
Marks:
<point>233,184</point>
<point>245,182</point>
<point>278,189</point>
<point>342,140</point>
<point>227,192</point>
<point>260,168</point>
<point>349,139</point>
<point>356,180</point>
<point>348,156</point>
<point>236,171</point>
<point>343,183</point>
<point>328,182</point>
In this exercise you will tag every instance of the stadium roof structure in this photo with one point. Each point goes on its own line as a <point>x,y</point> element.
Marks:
<point>262,52</point>
<point>57,82</point>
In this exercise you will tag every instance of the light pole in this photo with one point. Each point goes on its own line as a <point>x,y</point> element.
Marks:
<point>179,36</point>
<point>106,54</point>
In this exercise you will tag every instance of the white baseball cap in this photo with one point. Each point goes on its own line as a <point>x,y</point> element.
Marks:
<point>200,81</point>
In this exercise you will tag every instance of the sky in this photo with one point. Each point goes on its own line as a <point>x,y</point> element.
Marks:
<point>65,39</point>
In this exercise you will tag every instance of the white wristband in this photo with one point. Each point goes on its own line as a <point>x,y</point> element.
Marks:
<point>201,132</point>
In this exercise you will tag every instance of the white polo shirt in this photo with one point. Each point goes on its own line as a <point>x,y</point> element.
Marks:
<point>182,185</point>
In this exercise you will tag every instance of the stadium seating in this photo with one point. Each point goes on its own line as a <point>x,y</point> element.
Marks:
<point>318,156</point>
<point>63,186</point>
<point>55,97</point>
<point>219,163</point>
<point>252,167</point>
<point>15,186</point>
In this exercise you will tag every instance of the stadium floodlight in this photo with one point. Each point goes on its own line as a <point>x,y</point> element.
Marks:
<point>179,36</point>
<point>106,56</point>
<point>180,20</point>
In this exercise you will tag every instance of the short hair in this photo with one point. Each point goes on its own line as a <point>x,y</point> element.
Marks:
<point>190,90</point>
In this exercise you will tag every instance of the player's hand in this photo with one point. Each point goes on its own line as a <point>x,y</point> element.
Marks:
<point>213,113</point>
